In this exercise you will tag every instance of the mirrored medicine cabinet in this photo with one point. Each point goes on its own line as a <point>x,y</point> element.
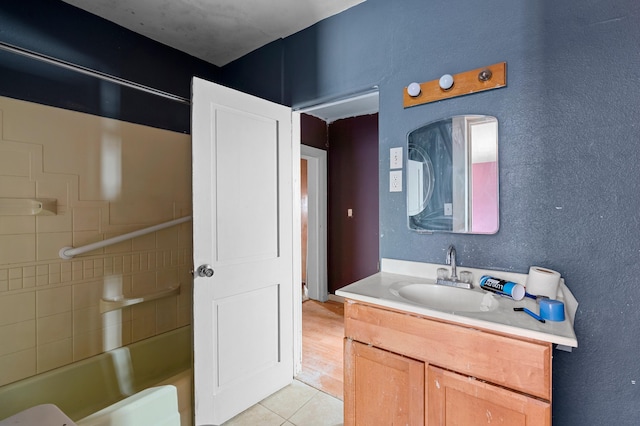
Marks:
<point>452,176</point>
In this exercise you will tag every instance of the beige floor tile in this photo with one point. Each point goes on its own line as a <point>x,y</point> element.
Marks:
<point>290,399</point>
<point>322,410</point>
<point>256,416</point>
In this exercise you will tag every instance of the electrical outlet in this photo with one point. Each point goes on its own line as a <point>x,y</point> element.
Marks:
<point>448,209</point>
<point>396,157</point>
<point>395,181</point>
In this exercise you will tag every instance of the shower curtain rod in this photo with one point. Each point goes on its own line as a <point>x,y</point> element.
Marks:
<point>93,73</point>
<point>69,252</point>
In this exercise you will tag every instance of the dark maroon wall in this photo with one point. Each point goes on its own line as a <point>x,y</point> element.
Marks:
<point>353,243</point>
<point>313,132</point>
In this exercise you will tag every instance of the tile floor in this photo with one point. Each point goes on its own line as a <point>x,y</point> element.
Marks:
<point>296,405</point>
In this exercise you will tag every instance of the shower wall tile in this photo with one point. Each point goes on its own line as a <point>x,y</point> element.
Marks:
<point>185,298</point>
<point>77,270</point>
<point>117,265</point>
<point>167,238</point>
<point>15,273</point>
<point>58,187</point>
<point>14,163</point>
<point>167,278</point>
<point>49,307</point>
<point>143,321</point>
<point>135,263</point>
<point>86,320</point>
<point>167,314</point>
<point>54,327</point>
<point>15,187</point>
<point>15,278</point>
<point>54,273</point>
<point>86,219</point>
<point>53,355</point>
<point>54,301</point>
<point>126,264</point>
<point>42,280</point>
<point>17,365</point>
<point>58,223</point>
<point>123,247</point>
<point>17,248</point>
<point>145,242</point>
<point>15,284</point>
<point>82,238</point>
<point>87,294</point>
<point>88,344</point>
<point>49,244</point>
<point>28,282</point>
<point>143,283</point>
<point>42,270</point>
<point>17,225</point>
<point>17,337</point>
<point>17,307</point>
<point>29,271</point>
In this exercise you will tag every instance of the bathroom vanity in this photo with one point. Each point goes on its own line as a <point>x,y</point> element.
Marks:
<point>409,362</point>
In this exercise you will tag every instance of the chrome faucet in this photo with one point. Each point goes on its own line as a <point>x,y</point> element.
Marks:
<point>453,280</point>
<point>451,260</point>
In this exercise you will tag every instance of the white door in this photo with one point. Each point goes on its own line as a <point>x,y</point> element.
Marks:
<point>243,201</point>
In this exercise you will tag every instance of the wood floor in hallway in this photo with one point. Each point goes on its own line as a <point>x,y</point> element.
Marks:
<point>322,346</point>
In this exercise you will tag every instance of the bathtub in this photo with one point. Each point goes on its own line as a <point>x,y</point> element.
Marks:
<point>85,387</point>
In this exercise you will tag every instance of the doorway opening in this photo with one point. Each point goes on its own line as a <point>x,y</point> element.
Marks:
<point>314,149</point>
<point>322,315</point>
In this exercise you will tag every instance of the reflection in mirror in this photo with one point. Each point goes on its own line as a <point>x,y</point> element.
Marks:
<point>452,176</point>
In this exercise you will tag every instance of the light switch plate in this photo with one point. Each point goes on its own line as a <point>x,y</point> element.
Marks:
<point>395,181</point>
<point>396,158</point>
<point>448,209</point>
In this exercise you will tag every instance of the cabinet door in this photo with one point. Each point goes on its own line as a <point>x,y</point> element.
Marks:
<point>454,399</point>
<point>382,388</point>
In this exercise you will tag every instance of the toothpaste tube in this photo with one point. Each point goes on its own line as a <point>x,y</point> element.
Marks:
<point>508,288</point>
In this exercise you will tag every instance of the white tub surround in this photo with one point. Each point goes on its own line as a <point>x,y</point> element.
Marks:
<point>376,290</point>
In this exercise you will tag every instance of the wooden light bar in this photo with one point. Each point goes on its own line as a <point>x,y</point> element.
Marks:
<point>464,83</point>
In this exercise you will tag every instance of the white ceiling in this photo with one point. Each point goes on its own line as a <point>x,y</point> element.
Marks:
<point>217,31</point>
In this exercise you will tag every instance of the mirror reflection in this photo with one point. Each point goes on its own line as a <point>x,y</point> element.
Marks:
<point>452,176</point>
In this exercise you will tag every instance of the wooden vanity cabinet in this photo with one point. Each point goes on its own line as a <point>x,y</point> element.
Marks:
<point>405,369</point>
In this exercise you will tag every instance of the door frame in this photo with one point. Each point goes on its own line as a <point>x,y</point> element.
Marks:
<point>317,222</point>
<point>297,244</point>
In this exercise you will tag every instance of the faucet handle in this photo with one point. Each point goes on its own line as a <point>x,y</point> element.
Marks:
<point>442,273</point>
<point>466,277</point>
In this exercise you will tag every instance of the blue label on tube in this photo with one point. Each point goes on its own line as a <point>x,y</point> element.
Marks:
<point>496,285</point>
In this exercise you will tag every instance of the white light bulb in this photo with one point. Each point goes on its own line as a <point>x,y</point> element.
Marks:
<point>446,81</point>
<point>413,90</point>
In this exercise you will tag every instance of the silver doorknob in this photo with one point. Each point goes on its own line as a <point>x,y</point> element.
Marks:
<point>205,271</point>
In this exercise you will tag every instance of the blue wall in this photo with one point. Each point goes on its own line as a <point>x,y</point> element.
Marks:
<point>569,153</point>
<point>569,135</point>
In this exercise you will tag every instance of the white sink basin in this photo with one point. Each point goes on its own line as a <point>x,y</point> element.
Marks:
<point>444,298</point>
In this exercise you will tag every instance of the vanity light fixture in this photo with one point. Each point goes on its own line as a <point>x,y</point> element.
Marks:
<point>453,85</point>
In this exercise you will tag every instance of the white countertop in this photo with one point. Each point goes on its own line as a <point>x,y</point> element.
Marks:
<point>375,290</point>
